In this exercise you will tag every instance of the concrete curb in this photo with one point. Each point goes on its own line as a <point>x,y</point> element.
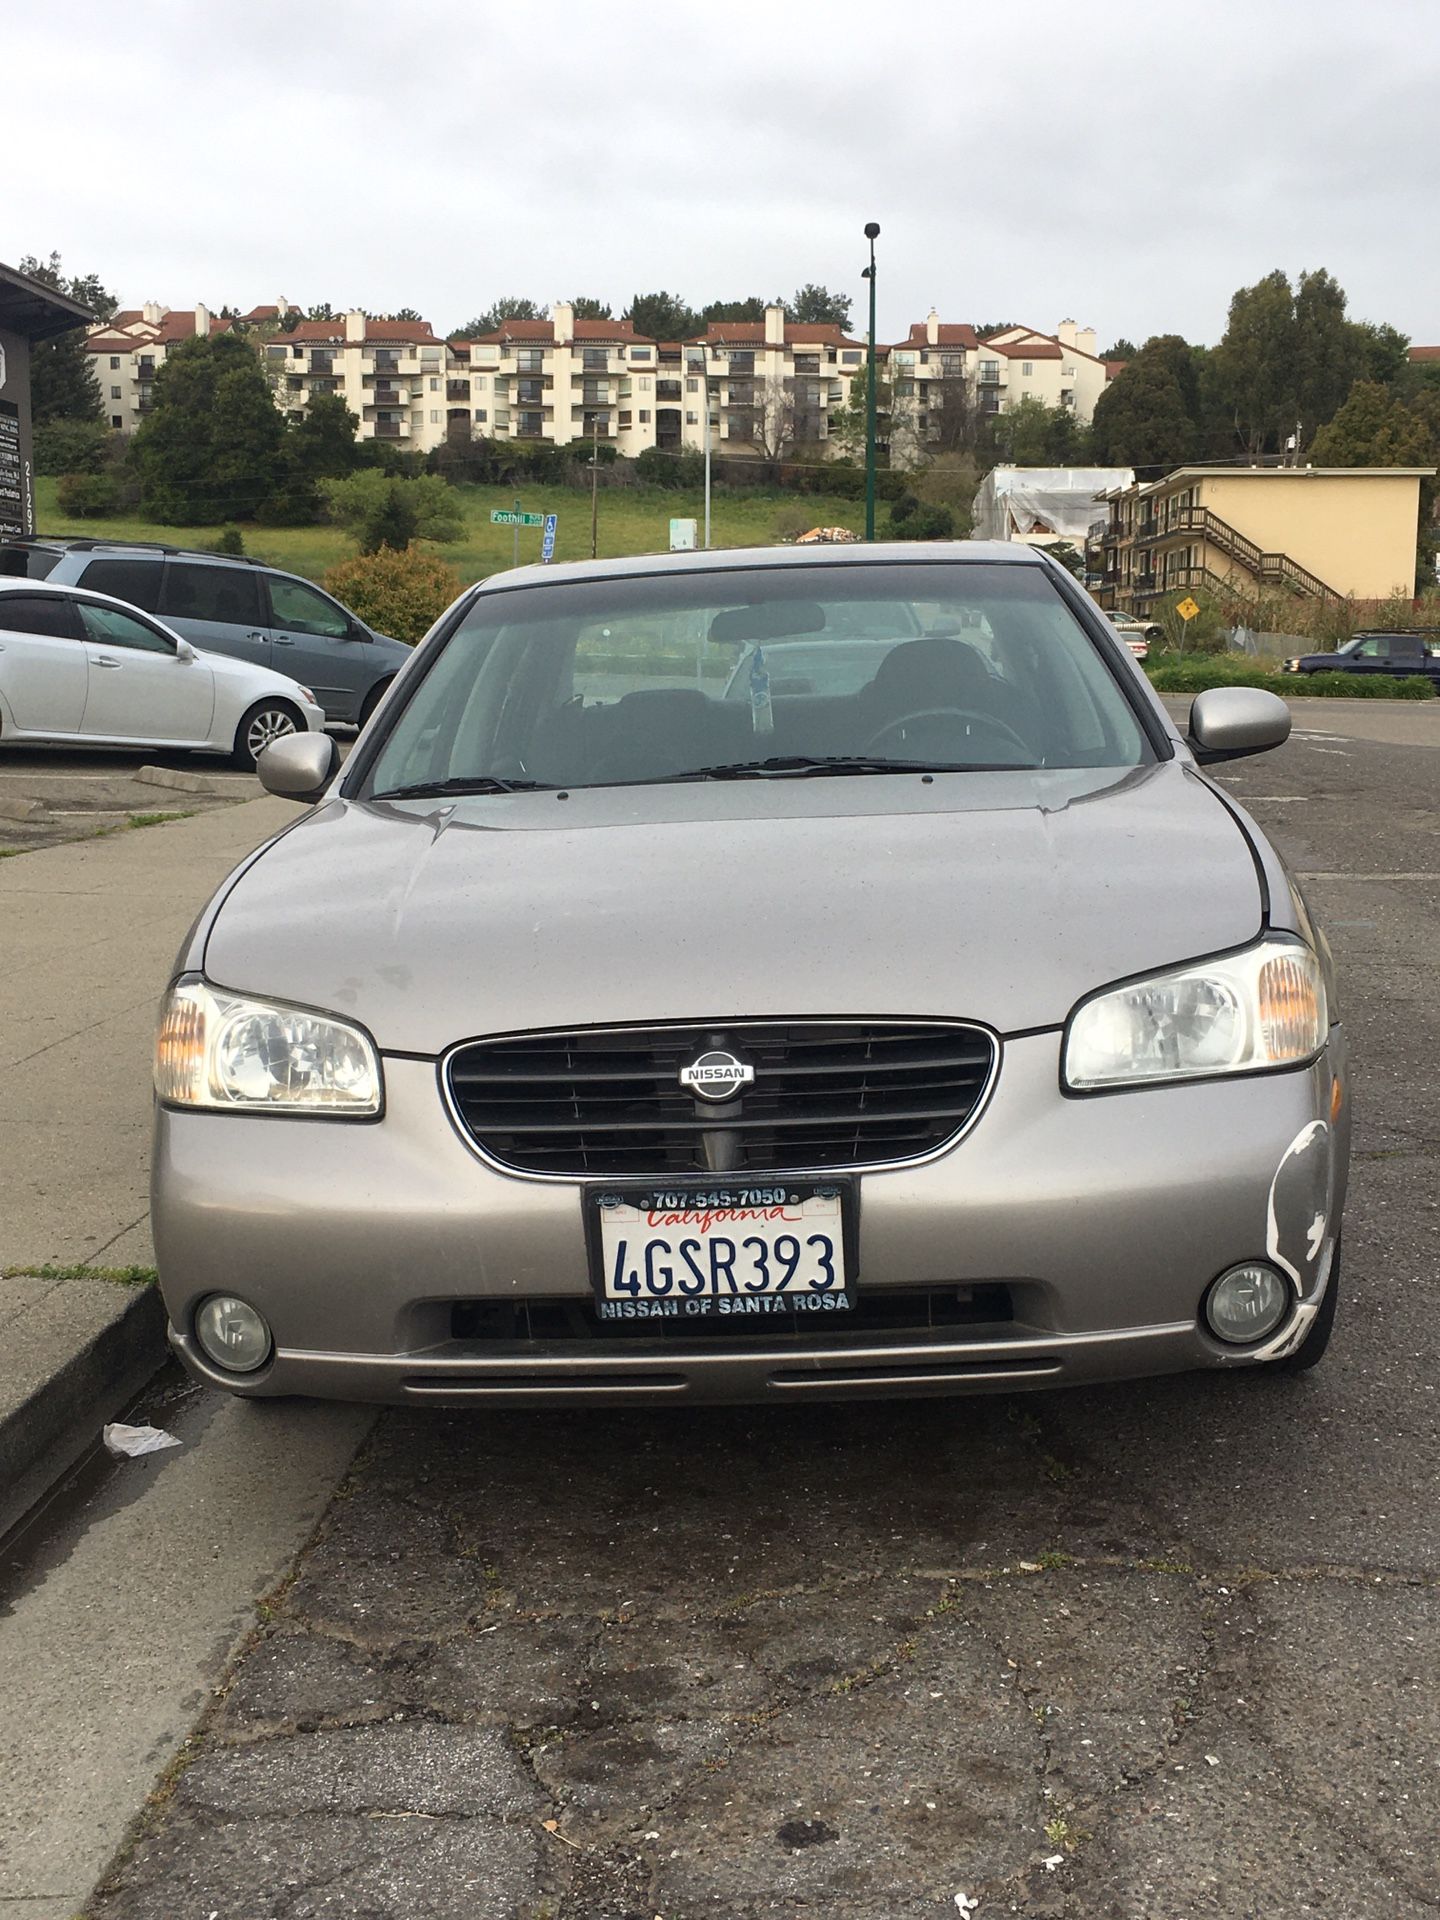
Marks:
<point>89,1376</point>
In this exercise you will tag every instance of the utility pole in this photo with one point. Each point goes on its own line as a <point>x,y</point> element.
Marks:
<point>872,230</point>
<point>705,384</point>
<point>594,484</point>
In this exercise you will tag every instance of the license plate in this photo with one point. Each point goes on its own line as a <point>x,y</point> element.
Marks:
<point>663,1252</point>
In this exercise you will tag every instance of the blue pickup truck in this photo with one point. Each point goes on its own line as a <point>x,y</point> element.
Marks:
<point>1400,655</point>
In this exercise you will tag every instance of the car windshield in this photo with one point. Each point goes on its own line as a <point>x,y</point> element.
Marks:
<point>769,672</point>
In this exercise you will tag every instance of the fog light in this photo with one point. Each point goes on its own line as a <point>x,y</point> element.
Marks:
<point>1246,1303</point>
<point>232,1333</point>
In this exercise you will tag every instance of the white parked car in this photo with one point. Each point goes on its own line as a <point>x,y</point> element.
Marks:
<point>81,667</point>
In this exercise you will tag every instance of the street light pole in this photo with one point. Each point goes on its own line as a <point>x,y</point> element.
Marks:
<point>705,385</point>
<point>872,229</point>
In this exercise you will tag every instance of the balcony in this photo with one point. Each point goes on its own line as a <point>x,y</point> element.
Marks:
<point>457,389</point>
<point>529,360</point>
<point>388,365</point>
<point>385,396</point>
<point>669,390</point>
<point>323,383</point>
<point>742,362</point>
<point>596,397</point>
<point>323,363</point>
<point>807,363</point>
<point>991,377</point>
<point>392,430</point>
<point>595,360</point>
<point>529,393</point>
<point>145,370</point>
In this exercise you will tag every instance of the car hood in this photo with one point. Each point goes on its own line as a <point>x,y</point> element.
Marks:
<point>997,897</point>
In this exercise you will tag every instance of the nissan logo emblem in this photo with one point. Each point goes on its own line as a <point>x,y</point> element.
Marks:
<point>716,1076</point>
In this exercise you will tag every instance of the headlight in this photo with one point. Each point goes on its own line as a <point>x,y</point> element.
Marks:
<point>1242,1013</point>
<point>1292,666</point>
<point>306,694</point>
<point>219,1050</point>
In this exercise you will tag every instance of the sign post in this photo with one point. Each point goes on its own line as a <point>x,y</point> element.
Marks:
<point>1187,610</point>
<point>500,517</point>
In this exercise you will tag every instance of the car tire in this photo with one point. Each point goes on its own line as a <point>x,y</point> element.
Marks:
<point>1311,1350</point>
<point>267,720</point>
<point>372,700</point>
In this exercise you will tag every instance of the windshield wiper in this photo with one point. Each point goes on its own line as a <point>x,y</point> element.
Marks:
<point>481,783</point>
<point>799,766</point>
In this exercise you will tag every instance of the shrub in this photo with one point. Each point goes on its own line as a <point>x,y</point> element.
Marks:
<point>385,511</point>
<point>1195,673</point>
<point>71,446</point>
<point>231,540</point>
<point>88,495</point>
<point>400,591</point>
<point>912,519</point>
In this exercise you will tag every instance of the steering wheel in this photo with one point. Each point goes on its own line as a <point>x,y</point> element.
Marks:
<point>989,720</point>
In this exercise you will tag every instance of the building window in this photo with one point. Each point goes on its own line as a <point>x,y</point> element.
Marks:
<point>624,418</point>
<point>434,385</point>
<point>644,383</point>
<point>644,417</point>
<point>1067,373</point>
<point>1027,367</point>
<point>116,421</point>
<point>430,356</point>
<point>692,419</point>
<point>479,413</point>
<point>639,353</point>
<point>114,393</point>
<point>114,363</point>
<point>692,386</point>
<point>434,416</point>
<point>298,352</point>
<point>850,358</point>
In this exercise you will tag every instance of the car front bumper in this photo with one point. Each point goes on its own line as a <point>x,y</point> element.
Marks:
<point>1106,1218</point>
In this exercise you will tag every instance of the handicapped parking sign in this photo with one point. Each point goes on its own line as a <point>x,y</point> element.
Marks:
<point>547,543</point>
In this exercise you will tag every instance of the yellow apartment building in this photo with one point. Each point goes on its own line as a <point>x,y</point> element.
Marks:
<point>1330,532</point>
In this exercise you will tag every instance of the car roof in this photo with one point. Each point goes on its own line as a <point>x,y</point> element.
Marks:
<point>141,549</point>
<point>732,559</point>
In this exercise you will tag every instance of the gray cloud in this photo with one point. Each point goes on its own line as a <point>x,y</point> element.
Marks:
<point>1128,165</point>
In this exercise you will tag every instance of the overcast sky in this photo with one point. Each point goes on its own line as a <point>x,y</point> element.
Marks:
<point>1127,165</point>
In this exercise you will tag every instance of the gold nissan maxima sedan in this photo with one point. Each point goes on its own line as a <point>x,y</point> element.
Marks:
<point>756,975</point>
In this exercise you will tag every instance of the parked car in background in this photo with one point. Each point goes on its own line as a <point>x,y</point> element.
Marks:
<point>232,606</point>
<point>600,1037</point>
<point>1397,655</point>
<point>1135,632</point>
<point>84,668</point>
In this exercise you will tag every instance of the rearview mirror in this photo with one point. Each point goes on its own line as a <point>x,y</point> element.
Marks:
<point>1228,722</point>
<point>770,620</point>
<point>298,766</point>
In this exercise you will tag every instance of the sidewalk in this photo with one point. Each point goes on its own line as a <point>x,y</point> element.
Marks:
<point>90,931</point>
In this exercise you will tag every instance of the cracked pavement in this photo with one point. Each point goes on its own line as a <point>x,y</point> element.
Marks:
<point>1163,1650</point>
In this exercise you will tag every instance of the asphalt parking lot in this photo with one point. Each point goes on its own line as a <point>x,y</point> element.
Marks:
<point>47,797</point>
<point>1145,1652</point>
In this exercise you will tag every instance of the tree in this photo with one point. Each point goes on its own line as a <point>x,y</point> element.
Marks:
<point>211,449</point>
<point>508,307</point>
<point>62,374</point>
<point>319,444</point>
<point>322,311</point>
<point>1030,434</point>
<point>404,313</point>
<point>810,305</point>
<point>992,327</point>
<point>751,310</point>
<point>1141,419</point>
<point>894,412</point>
<point>1384,352</point>
<point>588,309</point>
<point>1328,353</point>
<point>1255,364</point>
<point>912,519</point>
<point>1123,349</point>
<point>1375,429</point>
<point>384,511</point>
<point>662,316</point>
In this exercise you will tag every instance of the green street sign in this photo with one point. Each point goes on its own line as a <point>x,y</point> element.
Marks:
<point>500,518</point>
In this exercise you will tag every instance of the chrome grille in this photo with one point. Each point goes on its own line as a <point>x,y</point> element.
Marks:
<point>827,1093</point>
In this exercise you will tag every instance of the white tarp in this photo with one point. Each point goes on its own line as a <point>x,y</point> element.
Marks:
<point>1019,503</point>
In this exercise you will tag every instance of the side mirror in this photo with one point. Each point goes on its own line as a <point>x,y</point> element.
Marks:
<point>1228,722</point>
<point>184,652</point>
<point>299,766</point>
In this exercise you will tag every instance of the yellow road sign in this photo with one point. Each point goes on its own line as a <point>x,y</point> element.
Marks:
<point>1187,609</point>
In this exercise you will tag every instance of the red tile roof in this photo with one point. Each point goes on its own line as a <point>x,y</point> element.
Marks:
<point>751,333</point>
<point>950,334</point>
<point>542,333</point>
<point>1037,348</point>
<point>1418,354</point>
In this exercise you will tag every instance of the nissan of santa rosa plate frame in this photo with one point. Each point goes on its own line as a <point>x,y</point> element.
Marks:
<point>755,975</point>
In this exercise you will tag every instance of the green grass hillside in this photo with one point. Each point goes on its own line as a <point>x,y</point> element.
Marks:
<point>632,520</point>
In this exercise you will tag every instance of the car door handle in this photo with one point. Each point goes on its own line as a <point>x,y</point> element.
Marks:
<point>257,636</point>
<point>104,660</point>
<point>283,640</point>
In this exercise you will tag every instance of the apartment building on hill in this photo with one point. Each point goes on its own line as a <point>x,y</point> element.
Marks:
<point>769,386</point>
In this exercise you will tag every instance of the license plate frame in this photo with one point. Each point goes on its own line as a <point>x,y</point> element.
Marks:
<point>718,1196</point>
